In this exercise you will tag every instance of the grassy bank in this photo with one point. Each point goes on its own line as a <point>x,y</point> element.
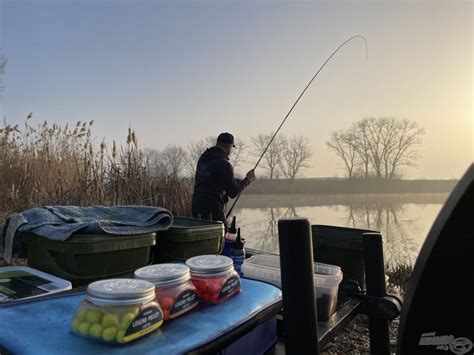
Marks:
<point>248,200</point>
<point>349,186</point>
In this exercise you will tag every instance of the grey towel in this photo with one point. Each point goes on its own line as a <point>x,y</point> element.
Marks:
<point>60,222</point>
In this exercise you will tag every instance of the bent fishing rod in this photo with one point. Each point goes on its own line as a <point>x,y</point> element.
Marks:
<point>296,102</point>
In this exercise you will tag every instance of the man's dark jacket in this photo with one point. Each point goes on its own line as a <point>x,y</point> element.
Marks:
<point>214,181</point>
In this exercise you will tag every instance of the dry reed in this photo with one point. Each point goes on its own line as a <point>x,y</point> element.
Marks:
<point>54,165</point>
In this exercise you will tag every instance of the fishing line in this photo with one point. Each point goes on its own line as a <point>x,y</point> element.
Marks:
<point>296,102</point>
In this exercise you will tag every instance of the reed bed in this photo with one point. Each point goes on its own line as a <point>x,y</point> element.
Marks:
<point>55,165</point>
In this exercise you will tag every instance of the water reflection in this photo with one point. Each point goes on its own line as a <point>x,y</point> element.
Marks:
<point>264,235</point>
<point>395,225</point>
<point>403,225</point>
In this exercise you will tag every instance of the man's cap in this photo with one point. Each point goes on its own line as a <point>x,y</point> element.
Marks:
<point>226,138</point>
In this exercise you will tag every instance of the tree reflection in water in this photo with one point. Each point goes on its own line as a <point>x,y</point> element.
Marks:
<point>400,248</point>
<point>393,220</point>
<point>395,225</point>
<point>265,230</point>
<point>390,219</point>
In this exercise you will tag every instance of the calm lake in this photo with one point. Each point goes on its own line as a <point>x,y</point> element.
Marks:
<point>404,220</point>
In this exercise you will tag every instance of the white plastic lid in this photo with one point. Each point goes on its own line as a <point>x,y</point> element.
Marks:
<point>210,265</point>
<point>120,292</point>
<point>164,274</point>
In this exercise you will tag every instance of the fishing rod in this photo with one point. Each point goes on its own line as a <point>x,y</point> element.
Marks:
<point>296,102</point>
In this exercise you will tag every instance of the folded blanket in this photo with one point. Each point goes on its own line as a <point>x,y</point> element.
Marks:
<point>60,222</point>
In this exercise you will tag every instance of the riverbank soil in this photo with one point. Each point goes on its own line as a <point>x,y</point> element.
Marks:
<point>354,339</point>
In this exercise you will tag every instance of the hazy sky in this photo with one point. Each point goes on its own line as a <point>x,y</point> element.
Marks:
<point>178,71</point>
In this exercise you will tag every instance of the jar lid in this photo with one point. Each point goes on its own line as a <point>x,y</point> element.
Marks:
<point>120,292</point>
<point>210,264</point>
<point>164,274</point>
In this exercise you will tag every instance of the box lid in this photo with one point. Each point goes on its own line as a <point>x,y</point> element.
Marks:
<point>267,267</point>
<point>89,244</point>
<point>186,229</point>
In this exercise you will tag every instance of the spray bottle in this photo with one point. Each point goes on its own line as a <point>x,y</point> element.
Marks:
<point>238,253</point>
<point>229,238</point>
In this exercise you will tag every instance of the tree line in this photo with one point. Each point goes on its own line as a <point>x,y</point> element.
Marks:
<point>377,147</point>
<point>370,148</point>
<point>286,157</point>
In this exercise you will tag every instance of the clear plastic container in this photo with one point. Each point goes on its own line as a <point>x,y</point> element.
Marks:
<point>175,292</point>
<point>214,277</point>
<point>326,278</point>
<point>117,311</point>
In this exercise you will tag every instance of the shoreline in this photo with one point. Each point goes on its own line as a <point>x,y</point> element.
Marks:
<point>249,200</point>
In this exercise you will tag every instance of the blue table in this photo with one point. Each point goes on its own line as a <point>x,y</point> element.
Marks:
<point>42,326</point>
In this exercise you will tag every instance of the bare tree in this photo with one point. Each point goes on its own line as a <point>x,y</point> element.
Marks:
<point>382,145</point>
<point>392,144</point>
<point>343,143</point>
<point>375,129</point>
<point>237,155</point>
<point>295,156</point>
<point>174,158</point>
<point>362,146</point>
<point>273,154</point>
<point>389,138</point>
<point>401,148</point>
<point>166,163</point>
<point>154,162</point>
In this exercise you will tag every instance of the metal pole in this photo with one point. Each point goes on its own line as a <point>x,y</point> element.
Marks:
<point>375,284</point>
<point>299,307</point>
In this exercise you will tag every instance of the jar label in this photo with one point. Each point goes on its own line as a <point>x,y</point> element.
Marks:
<point>232,284</point>
<point>185,300</point>
<point>146,321</point>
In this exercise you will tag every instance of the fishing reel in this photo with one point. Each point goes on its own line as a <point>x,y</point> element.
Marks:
<point>386,307</point>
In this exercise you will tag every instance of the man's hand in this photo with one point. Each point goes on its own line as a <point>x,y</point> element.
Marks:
<point>250,175</point>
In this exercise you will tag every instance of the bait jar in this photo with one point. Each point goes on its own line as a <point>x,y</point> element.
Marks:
<point>117,311</point>
<point>175,292</point>
<point>214,277</point>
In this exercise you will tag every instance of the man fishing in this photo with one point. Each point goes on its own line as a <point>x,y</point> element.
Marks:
<point>215,181</point>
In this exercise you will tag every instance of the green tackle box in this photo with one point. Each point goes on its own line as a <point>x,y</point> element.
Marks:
<point>82,259</point>
<point>188,237</point>
<point>341,246</point>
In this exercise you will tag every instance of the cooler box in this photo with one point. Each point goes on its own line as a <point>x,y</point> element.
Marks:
<point>326,278</point>
<point>343,247</point>
<point>189,237</point>
<point>82,259</point>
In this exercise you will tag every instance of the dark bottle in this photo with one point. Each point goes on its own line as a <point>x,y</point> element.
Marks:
<point>231,233</point>
<point>238,253</point>
<point>229,238</point>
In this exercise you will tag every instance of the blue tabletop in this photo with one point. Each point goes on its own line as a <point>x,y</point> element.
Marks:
<point>42,327</point>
